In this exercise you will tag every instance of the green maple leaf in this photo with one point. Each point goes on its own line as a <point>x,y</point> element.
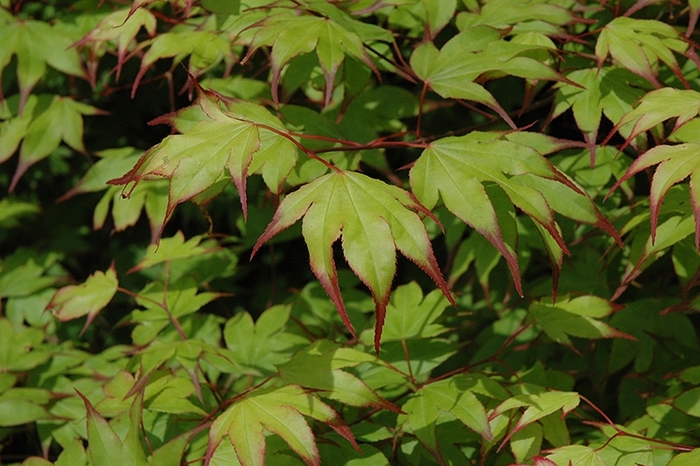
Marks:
<point>280,411</point>
<point>73,301</point>
<point>638,45</point>
<point>239,138</point>
<point>374,219</point>
<point>503,14</point>
<point>331,36</point>
<point>658,106</point>
<point>120,27</point>
<point>675,163</point>
<point>36,45</point>
<point>459,169</point>
<point>477,53</point>
<point>44,122</point>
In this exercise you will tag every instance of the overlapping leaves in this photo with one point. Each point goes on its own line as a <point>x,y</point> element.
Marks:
<point>373,218</point>
<point>460,169</point>
<point>238,139</point>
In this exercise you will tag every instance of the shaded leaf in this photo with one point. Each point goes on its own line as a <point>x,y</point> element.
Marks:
<point>638,44</point>
<point>320,367</point>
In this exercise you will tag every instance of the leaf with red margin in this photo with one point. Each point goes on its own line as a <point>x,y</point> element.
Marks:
<point>121,27</point>
<point>456,169</point>
<point>658,106</point>
<point>637,44</point>
<point>73,301</point>
<point>374,219</point>
<point>280,411</point>
<point>454,70</point>
<point>216,138</point>
<point>675,163</point>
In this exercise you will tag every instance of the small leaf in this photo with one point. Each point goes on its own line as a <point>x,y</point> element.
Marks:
<point>73,301</point>
<point>374,219</point>
<point>280,412</point>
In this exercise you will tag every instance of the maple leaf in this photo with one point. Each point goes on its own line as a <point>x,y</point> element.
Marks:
<point>238,138</point>
<point>458,168</point>
<point>36,45</point>
<point>638,44</point>
<point>280,411</point>
<point>205,46</point>
<point>73,301</point>
<point>331,36</point>
<point>658,106</point>
<point>374,219</point>
<point>476,53</point>
<point>121,27</point>
<point>675,163</point>
<point>41,128</point>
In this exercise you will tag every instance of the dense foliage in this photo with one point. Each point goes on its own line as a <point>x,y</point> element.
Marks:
<point>499,201</point>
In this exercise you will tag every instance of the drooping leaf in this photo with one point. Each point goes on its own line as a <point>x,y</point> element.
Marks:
<point>374,219</point>
<point>89,298</point>
<point>453,71</point>
<point>459,168</point>
<point>280,411</point>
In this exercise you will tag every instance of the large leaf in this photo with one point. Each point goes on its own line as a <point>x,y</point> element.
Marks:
<point>280,411</point>
<point>459,169</point>
<point>374,219</point>
<point>638,44</point>
<point>238,138</point>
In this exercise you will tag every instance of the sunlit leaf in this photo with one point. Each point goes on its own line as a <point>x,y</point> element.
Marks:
<point>373,218</point>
